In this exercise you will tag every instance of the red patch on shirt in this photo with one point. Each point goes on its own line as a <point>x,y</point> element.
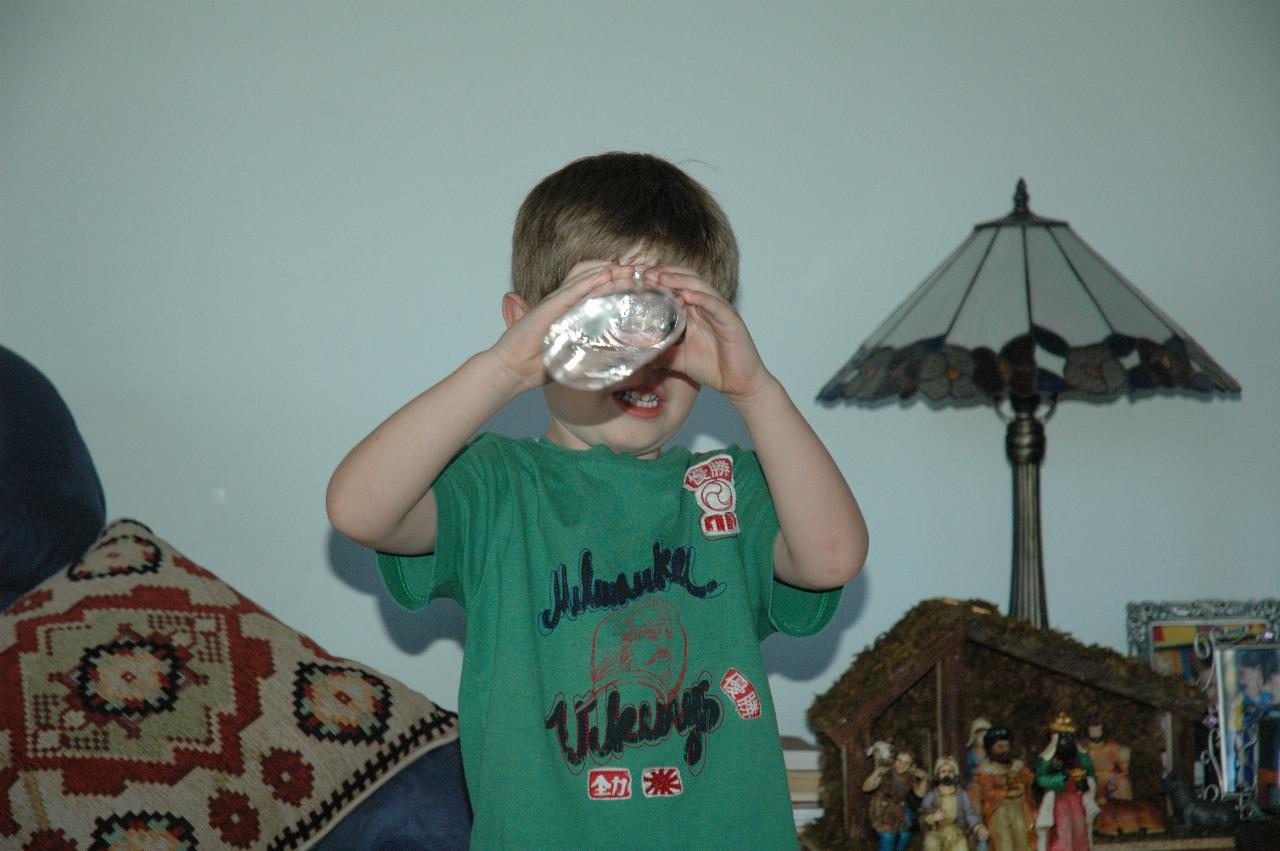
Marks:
<point>745,697</point>
<point>661,782</point>
<point>712,485</point>
<point>609,784</point>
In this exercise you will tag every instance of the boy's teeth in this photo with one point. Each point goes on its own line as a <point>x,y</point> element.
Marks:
<point>640,400</point>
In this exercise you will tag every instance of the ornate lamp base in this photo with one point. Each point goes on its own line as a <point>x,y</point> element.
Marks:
<point>1025,445</point>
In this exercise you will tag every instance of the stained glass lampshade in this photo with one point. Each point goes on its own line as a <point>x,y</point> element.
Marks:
<point>1025,312</point>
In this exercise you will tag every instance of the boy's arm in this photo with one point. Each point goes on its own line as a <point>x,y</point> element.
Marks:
<point>381,494</point>
<point>822,538</point>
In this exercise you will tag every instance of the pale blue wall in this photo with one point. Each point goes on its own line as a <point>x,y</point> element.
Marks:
<point>239,234</point>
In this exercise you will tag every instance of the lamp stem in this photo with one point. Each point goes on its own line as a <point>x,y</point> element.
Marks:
<point>1025,445</point>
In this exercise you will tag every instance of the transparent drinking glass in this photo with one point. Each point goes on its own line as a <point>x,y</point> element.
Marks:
<point>603,340</point>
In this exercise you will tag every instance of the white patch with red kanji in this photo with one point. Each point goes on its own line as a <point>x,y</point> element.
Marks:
<point>661,782</point>
<point>712,485</point>
<point>745,697</point>
<point>609,784</point>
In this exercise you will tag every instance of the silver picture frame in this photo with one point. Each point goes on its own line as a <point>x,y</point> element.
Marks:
<point>1165,634</point>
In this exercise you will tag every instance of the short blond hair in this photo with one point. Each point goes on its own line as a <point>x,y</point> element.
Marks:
<point>604,206</point>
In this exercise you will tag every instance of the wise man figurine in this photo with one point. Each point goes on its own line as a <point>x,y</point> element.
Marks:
<point>1001,790</point>
<point>1065,773</point>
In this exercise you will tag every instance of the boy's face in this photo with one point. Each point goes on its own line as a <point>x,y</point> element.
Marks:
<point>637,417</point>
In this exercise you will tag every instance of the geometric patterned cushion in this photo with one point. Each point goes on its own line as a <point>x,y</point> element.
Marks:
<point>145,701</point>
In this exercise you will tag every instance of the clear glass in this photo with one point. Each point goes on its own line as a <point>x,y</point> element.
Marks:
<point>605,339</point>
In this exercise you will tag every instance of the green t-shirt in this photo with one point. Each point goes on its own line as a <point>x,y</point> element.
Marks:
<point>613,692</point>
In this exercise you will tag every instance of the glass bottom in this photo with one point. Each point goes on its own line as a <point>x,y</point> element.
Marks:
<point>606,339</point>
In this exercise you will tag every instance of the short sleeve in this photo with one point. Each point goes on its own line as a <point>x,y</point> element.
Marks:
<point>463,513</point>
<point>409,579</point>
<point>795,611</point>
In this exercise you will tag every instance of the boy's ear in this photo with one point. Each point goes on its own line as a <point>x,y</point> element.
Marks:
<point>514,307</point>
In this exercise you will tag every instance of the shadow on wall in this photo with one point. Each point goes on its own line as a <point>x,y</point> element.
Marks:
<point>802,658</point>
<point>412,632</point>
<point>712,422</point>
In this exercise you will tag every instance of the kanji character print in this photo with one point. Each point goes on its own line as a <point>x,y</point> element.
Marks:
<point>609,784</point>
<point>745,697</point>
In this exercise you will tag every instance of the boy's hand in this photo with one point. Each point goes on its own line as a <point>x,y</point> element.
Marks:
<point>519,350</point>
<point>717,350</point>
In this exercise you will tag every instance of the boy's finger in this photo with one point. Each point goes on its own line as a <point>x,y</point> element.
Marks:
<point>618,277</point>
<point>612,274</point>
<point>574,291</point>
<point>680,279</point>
<point>711,305</point>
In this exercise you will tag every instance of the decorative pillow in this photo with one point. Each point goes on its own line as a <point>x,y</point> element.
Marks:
<point>147,702</point>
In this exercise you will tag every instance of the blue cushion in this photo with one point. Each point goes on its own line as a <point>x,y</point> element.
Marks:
<point>424,806</point>
<point>51,502</point>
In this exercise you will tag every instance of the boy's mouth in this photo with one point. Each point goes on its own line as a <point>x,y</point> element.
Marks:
<point>640,402</point>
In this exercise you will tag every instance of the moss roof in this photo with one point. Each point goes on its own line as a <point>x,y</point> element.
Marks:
<point>878,665</point>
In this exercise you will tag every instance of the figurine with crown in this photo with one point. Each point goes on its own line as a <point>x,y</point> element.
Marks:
<point>1066,776</point>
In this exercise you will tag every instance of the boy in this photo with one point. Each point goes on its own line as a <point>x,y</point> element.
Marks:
<point>613,692</point>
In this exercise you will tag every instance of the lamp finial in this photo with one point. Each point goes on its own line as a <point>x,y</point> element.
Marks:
<point>1020,197</point>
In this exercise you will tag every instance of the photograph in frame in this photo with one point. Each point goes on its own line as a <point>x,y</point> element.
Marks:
<point>1247,681</point>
